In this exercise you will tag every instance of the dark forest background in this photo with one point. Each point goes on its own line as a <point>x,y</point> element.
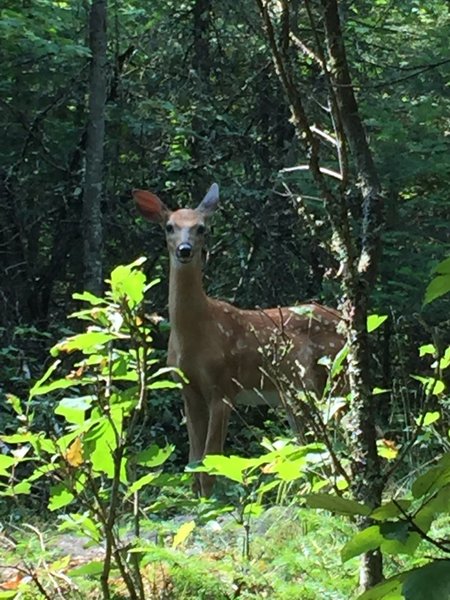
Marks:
<point>192,98</point>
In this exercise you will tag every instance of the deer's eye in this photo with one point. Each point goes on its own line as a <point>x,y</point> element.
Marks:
<point>169,228</point>
<point>201,229</point>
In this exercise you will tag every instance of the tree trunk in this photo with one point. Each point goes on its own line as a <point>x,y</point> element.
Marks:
<point>368,485</point>
<point>358,251</point>
<point>93,183</point>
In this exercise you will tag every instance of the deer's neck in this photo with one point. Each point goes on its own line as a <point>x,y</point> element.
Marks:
<point>188,303</point>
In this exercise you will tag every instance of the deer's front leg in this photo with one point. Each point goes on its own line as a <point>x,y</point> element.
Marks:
<point>197,419</point>
<point>219,416</point>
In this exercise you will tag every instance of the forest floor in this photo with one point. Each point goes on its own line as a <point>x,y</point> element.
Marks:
<point>292,554</point>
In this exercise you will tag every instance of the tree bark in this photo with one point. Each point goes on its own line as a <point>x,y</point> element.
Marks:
<point>93,183</point>
<point>367,480</point>
<point>358,251</point>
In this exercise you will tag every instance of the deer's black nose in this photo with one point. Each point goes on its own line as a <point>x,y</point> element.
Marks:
<point>184,251</point>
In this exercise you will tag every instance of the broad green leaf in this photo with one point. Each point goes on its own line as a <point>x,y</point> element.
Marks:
<point>183,533</point>
<point>439,286</point>
<point>431,384</point>
<point>34,390</point>
<point>59,496</point>
<point>387,590</point>
<point>23,487</point>
<point>85,342</point>
<point>105,442</point>
<point>374,321</point>
<point>377,391</point>
<point>154,456</point>
<point>444,363</point>
<point>440,503</point>
<point>5,463</point>
<point>88,297</point>
<point>42,470</point>
<point>129,282</point>
<point>361,542</point>
<point>232,467</point>
<point>387,449</point>
<point>338,361</point>
<point>428,418</point>
<point>289,470</point>
<point>431,582</point>
<point>164,385</point>
<point>57,384</point>
<point>427,349</point>
<point>90,569</point>
<point>81,524</point>
<point>398,538</point>
<point>443,267</point>
<point>336,504</point>
<point>253,509</point>
<point>390,510</point>
<point>140,483</point>
<point>15,403</point>
<point>434,479</point>
<point>74,409</point>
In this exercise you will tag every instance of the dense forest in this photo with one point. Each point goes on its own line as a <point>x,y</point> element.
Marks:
<point>326,125</point>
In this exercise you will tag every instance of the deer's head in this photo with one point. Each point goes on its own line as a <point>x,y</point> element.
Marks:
<point>185,228</point>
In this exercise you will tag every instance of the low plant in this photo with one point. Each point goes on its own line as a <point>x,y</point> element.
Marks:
<point>100,383</point>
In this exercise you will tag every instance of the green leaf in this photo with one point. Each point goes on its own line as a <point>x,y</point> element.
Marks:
<point>429,418</point>
<point>374,321</point>
<point>8,593</point>
<point>59,497</point>
<point>431,384</point>
<point>290,469</point>
<point>388,590</point>
<point>22,487</point>
<point>437,287</point>
<point>140,483</point>
<point>361,542</point>
<point>443,267</point>
<point>57,384</point>
<point>88,297</point>
<point>427,349</point>
<point>433,479</point>
<point>183,533</point>
<point>15,403</point>
<point>128,282</point>
<point>338,361</point>
<point>390,510</point>
<point>398,538</point>
<point>154,456</point>
<point>74,409</point>
<point>91,569</point>
<point>336,504</point>
<point>5,463</point>
<point>39,384</point>
<point>232,467</point>
<point>86,342</point>
<point>431,582</point>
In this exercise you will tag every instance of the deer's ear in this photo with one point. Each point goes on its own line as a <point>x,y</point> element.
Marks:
<point>210,202</point>
<point>150,206</point>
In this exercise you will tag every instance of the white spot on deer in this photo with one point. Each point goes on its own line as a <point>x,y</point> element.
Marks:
<point>317,328</point>
<point>332,344</point>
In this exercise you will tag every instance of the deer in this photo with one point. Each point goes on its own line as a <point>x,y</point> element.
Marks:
<point>223,350</point>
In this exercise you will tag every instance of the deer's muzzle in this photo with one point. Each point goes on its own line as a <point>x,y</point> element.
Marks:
<point>184,252</point>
